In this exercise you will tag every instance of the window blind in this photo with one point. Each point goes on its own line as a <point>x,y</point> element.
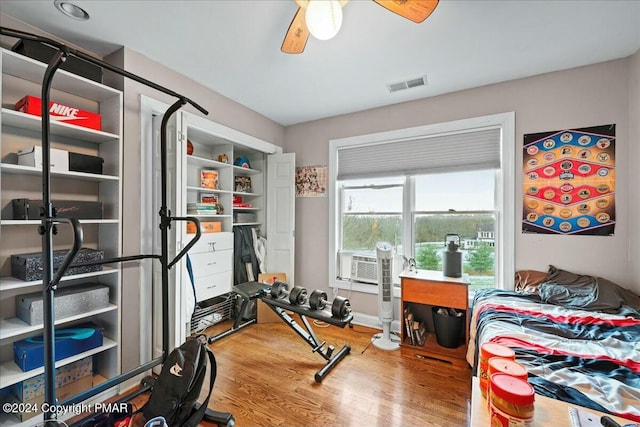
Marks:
<point>479,149</point>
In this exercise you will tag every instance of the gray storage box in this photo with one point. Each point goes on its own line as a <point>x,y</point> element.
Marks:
<point>29,267</point>
<point>244,217</point>
<point>69,301</point>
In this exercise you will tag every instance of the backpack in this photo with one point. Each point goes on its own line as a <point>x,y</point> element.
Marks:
<point>175,391</point>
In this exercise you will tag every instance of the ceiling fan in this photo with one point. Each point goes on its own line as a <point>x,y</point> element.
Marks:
<point>298,33</point>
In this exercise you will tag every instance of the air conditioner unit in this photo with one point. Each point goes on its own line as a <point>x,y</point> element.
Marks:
<point>364,268</point>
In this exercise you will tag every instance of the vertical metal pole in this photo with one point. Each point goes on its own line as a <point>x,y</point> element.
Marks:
<point>165,224</point>
<point>46,229</point>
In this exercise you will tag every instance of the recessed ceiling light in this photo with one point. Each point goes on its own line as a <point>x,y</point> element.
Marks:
<point>71,10</point>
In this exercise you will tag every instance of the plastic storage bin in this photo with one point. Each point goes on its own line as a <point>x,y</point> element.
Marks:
<point>449,328</point>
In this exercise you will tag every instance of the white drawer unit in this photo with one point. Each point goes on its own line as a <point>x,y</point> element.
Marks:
<point>213,285</point>
<point>212,264</point>
<point>207,263</point>
<point>212,242</point>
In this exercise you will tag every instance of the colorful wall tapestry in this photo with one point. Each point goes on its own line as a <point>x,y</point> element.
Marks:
<point>311,181</point>
<point>569,181</point>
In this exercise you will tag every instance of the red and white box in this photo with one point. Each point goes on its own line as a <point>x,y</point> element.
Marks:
<point>60,112</point>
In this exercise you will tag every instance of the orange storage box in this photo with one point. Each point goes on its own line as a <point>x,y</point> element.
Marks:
<point>205,227</point>
<point>60,112</point>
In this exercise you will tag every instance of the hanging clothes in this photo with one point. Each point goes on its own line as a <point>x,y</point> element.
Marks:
<point>260,247</point>
<point>245,262</point>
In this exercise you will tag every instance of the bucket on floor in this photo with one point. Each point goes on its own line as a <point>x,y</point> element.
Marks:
<point>449,327</point>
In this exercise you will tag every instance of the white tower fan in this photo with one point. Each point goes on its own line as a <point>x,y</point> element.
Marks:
<point>385,297</point>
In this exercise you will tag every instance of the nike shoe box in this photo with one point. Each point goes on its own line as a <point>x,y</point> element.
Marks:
<point>28,354</point>
<point>60,112</point>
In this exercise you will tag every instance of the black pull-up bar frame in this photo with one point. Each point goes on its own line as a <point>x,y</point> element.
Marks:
<point>46,229</point>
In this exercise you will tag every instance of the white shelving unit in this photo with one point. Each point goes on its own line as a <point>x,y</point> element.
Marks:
<point>23,76</point>
<point>212,257</point>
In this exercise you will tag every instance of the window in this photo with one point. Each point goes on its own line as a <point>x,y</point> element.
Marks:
<point>414,186</point>
<point>371,212</point>
<point>460,203</point>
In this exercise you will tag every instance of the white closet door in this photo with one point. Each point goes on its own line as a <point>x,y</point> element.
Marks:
<point>281,218</point>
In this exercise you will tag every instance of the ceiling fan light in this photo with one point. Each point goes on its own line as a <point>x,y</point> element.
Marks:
<point>324,18</point>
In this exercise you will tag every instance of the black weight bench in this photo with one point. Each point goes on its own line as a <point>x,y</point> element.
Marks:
<point>279,306</point>
<point>250,291</point>
<point>247,291</point>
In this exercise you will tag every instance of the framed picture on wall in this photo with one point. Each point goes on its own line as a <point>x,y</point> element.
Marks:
<point>569,181</point>
<point>311,181</point>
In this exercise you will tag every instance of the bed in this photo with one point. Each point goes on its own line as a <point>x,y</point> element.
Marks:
<point>578,336</point>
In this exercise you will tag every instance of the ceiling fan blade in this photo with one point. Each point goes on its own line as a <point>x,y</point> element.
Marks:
<point>414,10</point>
<point>297,34</point>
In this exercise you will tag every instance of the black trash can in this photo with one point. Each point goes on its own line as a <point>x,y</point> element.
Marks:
<point>449,328</point>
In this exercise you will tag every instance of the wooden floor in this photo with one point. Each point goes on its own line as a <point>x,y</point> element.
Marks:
<point>266,372</point>
<point>266,378</point>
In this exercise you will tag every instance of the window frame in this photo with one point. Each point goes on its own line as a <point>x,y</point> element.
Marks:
<point>504,197</point>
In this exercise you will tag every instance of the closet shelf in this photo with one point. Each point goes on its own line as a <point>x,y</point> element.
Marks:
<point>8,282</point>
<point>240,171</point>
<point>37,222</point>
<point>207,190</point>
<point>201,161</point>
<point>29,170</point>
<point>13,327</point>
<point>11,374</point>
<point>34,123</point>
<point>31,70</point>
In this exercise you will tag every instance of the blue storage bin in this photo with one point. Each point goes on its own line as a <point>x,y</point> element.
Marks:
<point>29,353</point>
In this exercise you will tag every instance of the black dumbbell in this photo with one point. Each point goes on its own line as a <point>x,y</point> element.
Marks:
<point>280,290</point>
<point>340,307</point>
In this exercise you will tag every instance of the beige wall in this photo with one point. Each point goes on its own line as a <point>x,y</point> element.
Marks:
<point>634,170</point>
<point>585,96</point>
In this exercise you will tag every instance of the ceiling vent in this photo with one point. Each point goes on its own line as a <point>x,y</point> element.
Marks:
<point>408,84</point>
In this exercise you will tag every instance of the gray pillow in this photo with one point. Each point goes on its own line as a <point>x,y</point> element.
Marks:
<point>586,292</point>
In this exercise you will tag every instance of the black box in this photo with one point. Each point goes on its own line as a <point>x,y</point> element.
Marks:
<point>85,163</point>
<point>30,209</point>
<point>44,53</point>
<point>29,267</point>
